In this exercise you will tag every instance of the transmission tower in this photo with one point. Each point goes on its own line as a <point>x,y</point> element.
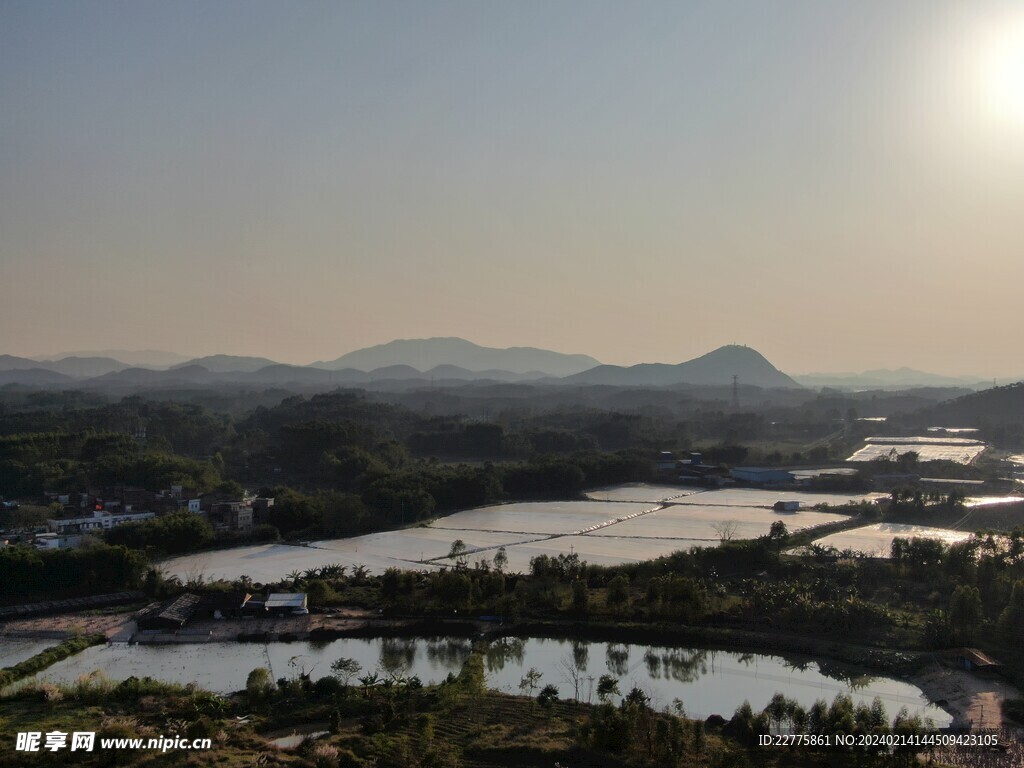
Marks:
<point>735,391</point>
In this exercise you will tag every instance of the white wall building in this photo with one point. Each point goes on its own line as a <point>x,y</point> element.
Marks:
<point>99,521</point>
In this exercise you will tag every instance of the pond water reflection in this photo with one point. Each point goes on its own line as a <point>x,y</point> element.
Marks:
<point>707,681</point>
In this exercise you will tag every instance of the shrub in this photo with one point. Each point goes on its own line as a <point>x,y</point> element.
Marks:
<point>548,695</point>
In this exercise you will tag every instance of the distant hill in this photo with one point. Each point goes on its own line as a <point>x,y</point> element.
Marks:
<point>280,374</point>
<point>33,377</point>
<point>715,368</point>
<point>884,378</point>
<point>12,363</point>
<point>84,367</point>
<point>75,367</point>
<point>425,354</point>
<point>455,372</point>
<point>145,377</point>
<point>999,405</point>
<point>145,358</point>
<point>228,363</point>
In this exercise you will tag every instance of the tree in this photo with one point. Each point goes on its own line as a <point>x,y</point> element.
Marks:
<point>1011,620</point>
<point>778,534</point>
<point>530,680</point>
<point>345,669</point>
<point>500,560</point>
<point>618,593</point>
<point>471,677</point>
<point>965,613</point>
<point>580,597</point>
<point>458,553</point>
<point>725,530</point>
<point>259,686</point>
<point>319,592</point>
<point>547,696</point>
<point>573,674</point>
<point>343,514</point>
<point>607,686</point>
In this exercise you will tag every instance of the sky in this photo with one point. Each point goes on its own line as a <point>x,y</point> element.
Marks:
<point>838,185</point>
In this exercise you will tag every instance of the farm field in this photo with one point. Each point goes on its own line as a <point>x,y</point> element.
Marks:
<point>608,532</point>
<point>876,540</point>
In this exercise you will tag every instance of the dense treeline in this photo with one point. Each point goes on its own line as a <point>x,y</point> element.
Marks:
<point>26,572</point>
<point>181,532</point>
<point>348,441</point>
<point>31,464</point>
<point>339,441</point>
<point>388,491</point>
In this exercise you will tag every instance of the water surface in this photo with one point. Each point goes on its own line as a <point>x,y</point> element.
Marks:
<point>706,681</point>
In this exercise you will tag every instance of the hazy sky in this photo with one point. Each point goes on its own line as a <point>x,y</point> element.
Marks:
<point>839,185</point>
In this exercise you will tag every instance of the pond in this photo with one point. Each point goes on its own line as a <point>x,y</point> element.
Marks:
<point>14,650</point>
<point>706,681</point>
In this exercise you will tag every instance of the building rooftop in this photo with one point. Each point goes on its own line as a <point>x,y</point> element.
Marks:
<point>178,610</point>
<point>976,657</point>
<point>286,600</point>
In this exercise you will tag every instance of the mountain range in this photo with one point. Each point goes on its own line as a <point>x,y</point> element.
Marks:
<point>143,358</point>
<point>443,361</point>
<point>885,378</point>
<point>426,354</point>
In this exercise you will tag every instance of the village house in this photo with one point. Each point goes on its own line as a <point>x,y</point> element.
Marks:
<point>96,522</point>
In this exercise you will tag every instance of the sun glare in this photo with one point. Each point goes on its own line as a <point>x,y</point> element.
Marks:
<point>1004,73</point>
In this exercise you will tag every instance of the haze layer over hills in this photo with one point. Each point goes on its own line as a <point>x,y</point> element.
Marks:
<point>424,354</point>
<point>445,361</point>
<point>415,359</point>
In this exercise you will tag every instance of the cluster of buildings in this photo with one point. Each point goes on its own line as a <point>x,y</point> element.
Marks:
<point>691,470</point>
<point>175,614</point>
<point>694,471</point>
<point>98,510</point>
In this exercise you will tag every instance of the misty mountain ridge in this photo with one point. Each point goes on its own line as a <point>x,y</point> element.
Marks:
<point>227,363</point>
<point>886,378</point>
<point>715,368</point>
<point>131,358</point>
<point>426,354</point>
<point>72,366</point>
<point>509,365</point>
<point>457,360</point>
<point>277,374</point>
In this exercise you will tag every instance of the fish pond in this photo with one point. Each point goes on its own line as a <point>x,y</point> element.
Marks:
<point>705,681</point>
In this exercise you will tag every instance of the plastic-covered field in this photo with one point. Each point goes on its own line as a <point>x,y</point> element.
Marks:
<point>600,532</point>
<point>548,517</point>
<point>984,501</point>
<point>642,492</point>
<point>958,449</point>
<point>876,540</point>
<point>596,550</point>
<point>419,544</point>
<point>766,497</point>
<point>706,523</point>
<point>272,562</point>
